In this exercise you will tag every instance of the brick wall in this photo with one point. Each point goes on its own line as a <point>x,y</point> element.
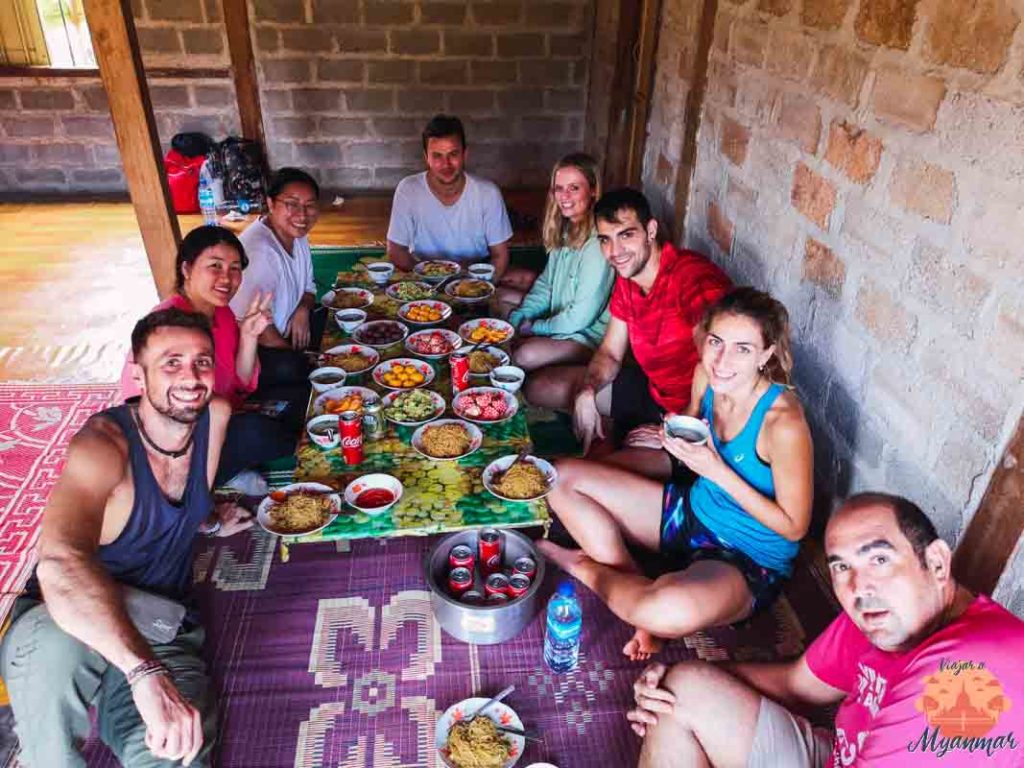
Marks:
<point>56,135</point>
<point>863,160</point>
<point>346,87</point>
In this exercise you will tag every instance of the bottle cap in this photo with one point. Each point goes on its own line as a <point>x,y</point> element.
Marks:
<point>566,589</point>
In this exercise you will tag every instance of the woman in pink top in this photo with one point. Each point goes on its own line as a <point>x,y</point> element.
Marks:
<point>209,270</point>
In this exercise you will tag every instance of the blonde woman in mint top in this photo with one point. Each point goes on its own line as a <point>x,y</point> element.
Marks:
<point>563,317</point>
<point>732,520</point>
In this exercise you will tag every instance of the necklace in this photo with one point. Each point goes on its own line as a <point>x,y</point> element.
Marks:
<point>149,441</point>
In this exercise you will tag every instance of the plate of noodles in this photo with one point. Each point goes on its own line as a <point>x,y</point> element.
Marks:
<point>347,298</point>
<point>298,509</point>
<point>351,358</point>
<point>479,744</point>
<point>447,439</point>
<point>529,480</point>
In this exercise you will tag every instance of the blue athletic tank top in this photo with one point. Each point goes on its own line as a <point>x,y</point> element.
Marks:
<point>720,512</point>
<point>154,551</point>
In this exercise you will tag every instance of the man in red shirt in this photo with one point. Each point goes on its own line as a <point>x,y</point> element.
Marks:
<point>659,298</point>
<point>926,672</point>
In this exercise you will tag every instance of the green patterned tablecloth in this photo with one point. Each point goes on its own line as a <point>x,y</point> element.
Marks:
<point>438,495</point>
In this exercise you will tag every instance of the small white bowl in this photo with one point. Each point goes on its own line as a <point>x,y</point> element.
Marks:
<point>687,428</point>
<point>336,378</point>
<point>370,482</point>
<point>502,372</point>
<point>349,319</point>
<point>481,271</point>
<point>380,271</point>
<point>326,441</point>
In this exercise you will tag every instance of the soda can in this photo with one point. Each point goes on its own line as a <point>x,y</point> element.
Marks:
<point>496,584</point>
<point>461,556</point>
<point>526,566</point>
<point>460,371</point>
<point>472,597</point>
<point>497,598</point>
<point>374,426</point>
<point>351,437</point>
<point>459,580</point>
<point>517,585</point>
<point>490,550</point>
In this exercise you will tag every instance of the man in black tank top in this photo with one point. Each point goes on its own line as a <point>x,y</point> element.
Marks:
<point>102,614</point>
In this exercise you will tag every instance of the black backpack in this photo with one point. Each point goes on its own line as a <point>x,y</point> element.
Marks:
<point>192,144</point>
<point>242,161</point>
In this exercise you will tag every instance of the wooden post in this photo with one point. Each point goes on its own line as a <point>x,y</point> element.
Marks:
<point>243,70</point>
<point>117,54</point>
<point>693,114</point>
<point>993,533</point>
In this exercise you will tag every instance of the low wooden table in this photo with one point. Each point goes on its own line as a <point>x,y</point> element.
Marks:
<point>438,496</point>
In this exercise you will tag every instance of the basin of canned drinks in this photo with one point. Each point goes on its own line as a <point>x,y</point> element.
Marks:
<point>484,620</point>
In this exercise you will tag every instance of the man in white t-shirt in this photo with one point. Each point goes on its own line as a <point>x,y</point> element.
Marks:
<point>446,213</point>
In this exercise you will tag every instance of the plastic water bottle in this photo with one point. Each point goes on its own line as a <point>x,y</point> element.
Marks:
<point>565,624</point>
<point>207,203</point>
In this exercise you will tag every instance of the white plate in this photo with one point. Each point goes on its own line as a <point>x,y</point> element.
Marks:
<point>439,406</point>
<point>498,466</point>
<point>328,298</point>
<point>446,311</point>
<point>467,328</point>
<point>359,333</point>
<point>452,336</point>
<point>338,394</point>
<point>454,269</point>
<point>263,510</point>
<point>498,352</point>
<point>419,365</point>
<point>458,403</point>
<point>476,438</point>
<point>392,290</point>
<point>450,290</point>
<point>500,712</point>
<point>363,349</point>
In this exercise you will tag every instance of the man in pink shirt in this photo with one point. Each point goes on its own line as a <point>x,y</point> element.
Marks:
<point>925,672</point>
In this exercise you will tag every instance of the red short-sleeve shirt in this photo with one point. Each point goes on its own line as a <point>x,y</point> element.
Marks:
<point>661,322</point>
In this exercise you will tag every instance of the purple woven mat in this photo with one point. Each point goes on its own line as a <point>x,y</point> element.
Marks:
<point>335,659</point>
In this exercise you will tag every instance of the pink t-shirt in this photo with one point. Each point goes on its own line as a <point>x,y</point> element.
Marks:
<point>225,349</point>
<point>955,700</point>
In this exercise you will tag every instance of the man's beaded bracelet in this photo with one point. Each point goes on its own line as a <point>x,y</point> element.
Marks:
<point>145,669</point>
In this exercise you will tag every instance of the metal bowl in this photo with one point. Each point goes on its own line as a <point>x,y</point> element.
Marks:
<point>482,624</point>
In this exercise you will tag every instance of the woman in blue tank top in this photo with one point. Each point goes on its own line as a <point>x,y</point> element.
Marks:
<point>732,523</point>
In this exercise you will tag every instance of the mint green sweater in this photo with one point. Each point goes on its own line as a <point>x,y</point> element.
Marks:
<point>570,298</point>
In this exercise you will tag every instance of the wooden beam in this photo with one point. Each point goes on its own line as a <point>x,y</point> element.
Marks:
<point>243,70</point>
<point>85,73</point>
<point>645,53</point>
<point>117,53</point>
<point>993,533</point>
<point>693,114</point>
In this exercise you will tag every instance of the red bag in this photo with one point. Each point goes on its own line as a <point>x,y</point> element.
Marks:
<point>183,180</point>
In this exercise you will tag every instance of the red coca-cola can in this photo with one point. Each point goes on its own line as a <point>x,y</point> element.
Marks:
<point>496,584</point>
<point>459,580</point>
<point>490,550</point>
<point>460,371</point>
<point>496,599</point>
<point>517,585</point>
<point>472,597</point>
<point>351,423</point>
<point>526,566</point>
<point>461,556</point>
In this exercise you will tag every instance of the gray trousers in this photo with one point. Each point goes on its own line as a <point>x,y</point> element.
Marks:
<point>53,679</point>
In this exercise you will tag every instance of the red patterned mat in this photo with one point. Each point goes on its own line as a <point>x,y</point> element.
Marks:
<point>36,424</point>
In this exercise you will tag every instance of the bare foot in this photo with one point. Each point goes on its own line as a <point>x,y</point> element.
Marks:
<point>566,559</point>
<point>642,645</point>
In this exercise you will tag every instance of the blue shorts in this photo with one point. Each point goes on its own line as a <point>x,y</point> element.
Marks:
<point>686,540</point>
